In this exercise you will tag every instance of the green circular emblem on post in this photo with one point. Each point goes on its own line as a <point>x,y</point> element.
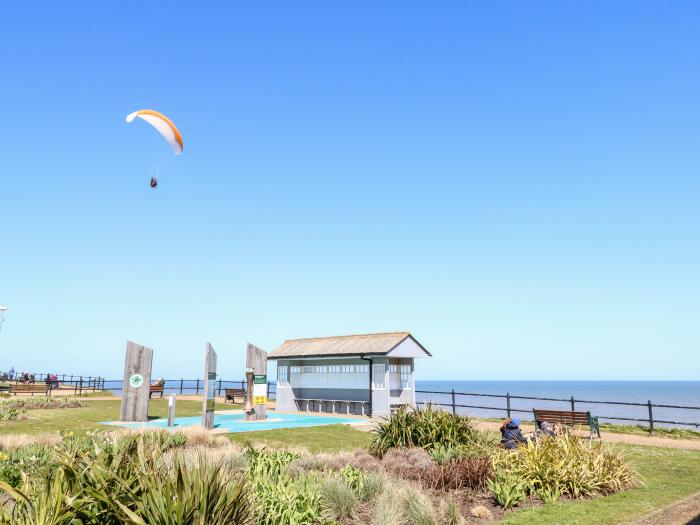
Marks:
<point>136,380</point>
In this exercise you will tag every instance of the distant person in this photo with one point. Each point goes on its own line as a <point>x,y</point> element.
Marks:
<point>547,429</point>
<point>511,437</point>
<point>11,373</point>
<point>159,382</point>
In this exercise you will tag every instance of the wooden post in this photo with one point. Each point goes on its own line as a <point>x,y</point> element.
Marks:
<point>454,408</point>
<point>651,417</point>
<point>573,406</point>
<point>137,383</point>
<point>209,388</point>
<point>256,359</point>
<point>508,403</point>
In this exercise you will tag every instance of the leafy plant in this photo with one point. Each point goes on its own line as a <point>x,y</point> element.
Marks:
<point>280,499</point>
<point>567,465</point>
<point>507,490</point>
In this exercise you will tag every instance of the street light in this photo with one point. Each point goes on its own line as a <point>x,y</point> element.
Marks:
<point>3,309</point>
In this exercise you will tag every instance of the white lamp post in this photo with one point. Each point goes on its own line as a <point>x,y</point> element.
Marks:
<point>3,309</point>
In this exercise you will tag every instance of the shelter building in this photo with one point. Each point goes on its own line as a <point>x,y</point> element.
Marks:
<point>368,374</point>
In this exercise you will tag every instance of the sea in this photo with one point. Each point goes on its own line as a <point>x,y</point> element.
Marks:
<point>672,394</point>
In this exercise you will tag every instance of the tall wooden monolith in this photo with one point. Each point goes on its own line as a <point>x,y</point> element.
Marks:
<point>209,388</point>
<point>137,383</point>
<point>256,359</point>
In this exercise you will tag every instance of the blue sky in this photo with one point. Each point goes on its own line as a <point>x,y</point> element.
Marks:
<point>516,183</point>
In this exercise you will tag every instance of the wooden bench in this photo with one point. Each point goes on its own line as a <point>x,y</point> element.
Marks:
<point>30,388</point>
<point>567,417</point>
<point>155,389</point>
<point>231,394</point>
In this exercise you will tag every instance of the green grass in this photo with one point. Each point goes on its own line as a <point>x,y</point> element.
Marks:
<point>670,474</point>
<point>678,433</point>
<point>81,420</point>
<point>330,438</point>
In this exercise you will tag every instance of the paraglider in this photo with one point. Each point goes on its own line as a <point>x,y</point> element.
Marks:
<point>165,127</point>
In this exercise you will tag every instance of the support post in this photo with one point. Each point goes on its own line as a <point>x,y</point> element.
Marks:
<point>171,410</point>
<point>508,403</point>
<point>651,417</point>
<point>209,387</point>
<point>454,408</point>
<point>573,406</point>
<point>137,382</point>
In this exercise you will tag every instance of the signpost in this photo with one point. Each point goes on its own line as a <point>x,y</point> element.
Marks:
<point>209,388</point>
<point>256,360</point>
<point>137,381</point>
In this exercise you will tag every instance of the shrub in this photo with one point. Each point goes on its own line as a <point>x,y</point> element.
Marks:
<point>35,461</point>
<point>426,428</point>
<point>417,509</point>
<point>280,499</point>
<point>481,512</point>
<point>373,487</point>
<point>442,454</point>
<point>463,473</point>
<point>114,480</point>
<point>567,465</point>
<point>507,489</point>
<point>451,513</point>
<point>407,463</point>
<point>339,498</point>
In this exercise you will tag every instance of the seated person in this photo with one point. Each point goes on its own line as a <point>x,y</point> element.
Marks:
<point>511,436</point>
<point>159,382</point>
<point>547,429</point>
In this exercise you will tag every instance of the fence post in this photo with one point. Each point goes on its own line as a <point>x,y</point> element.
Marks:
<point>573,406</point>
<point>454,408</point>
<point>219,386</point>
<point>81,386</point>
<point>197,390</point>
<point>181,382</point>
<point>651,417</point>
<point>508,403</point>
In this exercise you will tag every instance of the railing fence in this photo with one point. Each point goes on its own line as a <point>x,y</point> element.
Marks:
<point>571,402</point>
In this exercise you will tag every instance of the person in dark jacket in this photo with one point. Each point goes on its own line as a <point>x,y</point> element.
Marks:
<point>511,436</point>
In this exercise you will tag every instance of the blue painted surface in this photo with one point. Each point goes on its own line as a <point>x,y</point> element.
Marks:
<point>236,423</point>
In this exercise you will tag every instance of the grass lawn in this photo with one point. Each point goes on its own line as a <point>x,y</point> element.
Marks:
<point>670,474</point>
<point>329,438</point>
<point>82,419</point>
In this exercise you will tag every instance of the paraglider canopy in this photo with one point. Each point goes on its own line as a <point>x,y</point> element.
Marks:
<point>163,125</point>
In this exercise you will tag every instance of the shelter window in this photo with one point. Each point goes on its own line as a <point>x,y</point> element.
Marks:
<point>405,375</point>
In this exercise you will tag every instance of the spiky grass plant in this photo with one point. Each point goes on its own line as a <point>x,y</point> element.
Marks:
<point>426,427</point>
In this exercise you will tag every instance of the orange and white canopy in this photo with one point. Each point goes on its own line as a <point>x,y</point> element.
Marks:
<point>163,125</point>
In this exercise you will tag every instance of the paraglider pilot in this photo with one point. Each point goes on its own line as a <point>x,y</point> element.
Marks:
<point>154,182</point>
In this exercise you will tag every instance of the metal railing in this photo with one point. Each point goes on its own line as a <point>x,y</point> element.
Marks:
<point>77,383</point>
<point>571,402</point>
<point>195,386</point>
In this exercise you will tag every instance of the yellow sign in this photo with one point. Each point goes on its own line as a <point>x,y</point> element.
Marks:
<point>260,400</point>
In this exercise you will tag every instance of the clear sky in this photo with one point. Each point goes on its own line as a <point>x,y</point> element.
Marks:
<point>516,183</point>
